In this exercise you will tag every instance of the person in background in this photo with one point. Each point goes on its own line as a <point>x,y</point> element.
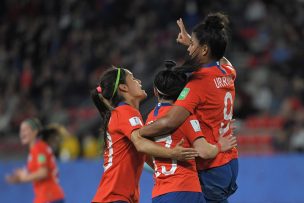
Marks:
<point>41,168</point>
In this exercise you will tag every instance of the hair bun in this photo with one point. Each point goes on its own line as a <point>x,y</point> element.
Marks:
<point>169,64</point>
<point>216,21</point>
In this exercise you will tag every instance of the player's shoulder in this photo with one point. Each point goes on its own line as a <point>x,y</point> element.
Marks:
<point>126,108</point>
<point>202,75</point>
<point>125,111</point>
<point>39,146</point>
<point>224,75</point>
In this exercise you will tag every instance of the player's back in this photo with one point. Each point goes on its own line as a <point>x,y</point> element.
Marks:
<point>172,175</point>
<point>122,163</point>
<point>210,96</point>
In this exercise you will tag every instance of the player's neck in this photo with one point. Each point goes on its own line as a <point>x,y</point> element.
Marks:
<point>165,101</point>
<point>133,102</point>
<point>208,61</point>
<point>32,143</point>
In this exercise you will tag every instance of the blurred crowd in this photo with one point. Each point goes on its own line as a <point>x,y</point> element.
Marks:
<point>53,52</point>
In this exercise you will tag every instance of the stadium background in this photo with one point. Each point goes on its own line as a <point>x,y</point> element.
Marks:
<point>53,52</point>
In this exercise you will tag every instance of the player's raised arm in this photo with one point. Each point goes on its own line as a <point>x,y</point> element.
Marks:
<point>183,36</point>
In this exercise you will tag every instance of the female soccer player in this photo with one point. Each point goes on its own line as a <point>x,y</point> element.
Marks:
<point>177,181</point>
<point>209,95</point>
<point>117,98</point>
<point>41,166</point>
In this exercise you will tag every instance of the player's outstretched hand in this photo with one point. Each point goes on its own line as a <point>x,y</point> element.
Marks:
<point>183,36</point>
<point>12,178</point>
<point>180,153</point>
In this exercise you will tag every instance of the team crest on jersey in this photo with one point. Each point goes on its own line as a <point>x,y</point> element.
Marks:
<point>41,158</point>
<point>134,121</point>
<point>183,94</point>
<point>195,125</point>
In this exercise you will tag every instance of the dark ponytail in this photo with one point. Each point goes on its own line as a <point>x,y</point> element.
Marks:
<point>212,31</point>
<point>169,83</point>
<point>105,96</point>
<point>104,110</point>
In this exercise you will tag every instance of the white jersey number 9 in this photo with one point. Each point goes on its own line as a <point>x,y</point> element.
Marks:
<point>227,114</point>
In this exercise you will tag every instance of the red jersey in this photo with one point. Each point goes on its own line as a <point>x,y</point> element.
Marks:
<point>172,175</point>
<point>47,189</point>
<point>122,163</point>
<point>210,95</point>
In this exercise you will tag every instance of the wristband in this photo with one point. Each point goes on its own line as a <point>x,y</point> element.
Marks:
<point>219,147</point>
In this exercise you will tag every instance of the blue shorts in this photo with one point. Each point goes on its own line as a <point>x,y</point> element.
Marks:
<point>220,182</point>
<point>58,201</point>
<point>119,201</point>
<point>180,197</point>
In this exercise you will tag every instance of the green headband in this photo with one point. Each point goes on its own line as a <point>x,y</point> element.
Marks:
<point>116,82</point>
<point>34,123</point>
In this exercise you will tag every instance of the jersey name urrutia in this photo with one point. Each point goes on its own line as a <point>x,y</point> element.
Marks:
<point>210,95</point>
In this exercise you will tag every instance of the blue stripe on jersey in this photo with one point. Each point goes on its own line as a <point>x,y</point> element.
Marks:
<point>217,64</point>
<point>122,103</point>
<point>159,105</point>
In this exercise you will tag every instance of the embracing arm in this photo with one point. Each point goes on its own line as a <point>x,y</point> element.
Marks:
<point>166,124</point>
<point>209,151</point>
<point>178,152</point>
<point>205,150</point>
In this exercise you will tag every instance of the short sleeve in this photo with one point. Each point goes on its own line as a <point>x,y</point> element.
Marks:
<point>129,120</point>
<point>39,157</point>
<point>189,97</point>
<point>191,129</point>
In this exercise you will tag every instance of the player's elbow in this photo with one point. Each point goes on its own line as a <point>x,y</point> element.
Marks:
<point>41,174</point>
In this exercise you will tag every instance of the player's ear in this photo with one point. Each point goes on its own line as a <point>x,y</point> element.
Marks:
<point>155,92</point>
<point>205,49</point>
<point>123,87</point>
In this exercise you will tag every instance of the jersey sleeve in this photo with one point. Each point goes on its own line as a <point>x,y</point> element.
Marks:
<point>190,96</point>
<point>191,129</point>
<point>129,120</point>
<point>39,157</point>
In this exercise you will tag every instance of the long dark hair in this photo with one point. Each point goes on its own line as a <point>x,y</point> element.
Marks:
<point>169,83</point>
<point>212,31</point>
<point>106,97</point>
